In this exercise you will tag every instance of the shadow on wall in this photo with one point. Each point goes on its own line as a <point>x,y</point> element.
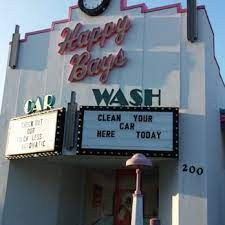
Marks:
<point>3,164</point>
<point>41,192</point>
<point>1,208</point>
<point>33,53</point>
<point>3,183</point>
<point>188,64</point>
<point>32,193</point>
<point>179,190</point>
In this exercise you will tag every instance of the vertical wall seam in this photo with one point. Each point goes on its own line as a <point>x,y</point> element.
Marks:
<point>62,80</point>
<point>17,95</point>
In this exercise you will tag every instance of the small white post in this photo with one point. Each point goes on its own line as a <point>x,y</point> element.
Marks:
<point>138,161</point>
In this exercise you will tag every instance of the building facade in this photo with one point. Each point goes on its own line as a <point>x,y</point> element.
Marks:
<point>124,57</point>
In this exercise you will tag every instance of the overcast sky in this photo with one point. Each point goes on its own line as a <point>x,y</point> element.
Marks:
<point>35,15</point>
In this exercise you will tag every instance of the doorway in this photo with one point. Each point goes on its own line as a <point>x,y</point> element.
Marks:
<point>109,196</point>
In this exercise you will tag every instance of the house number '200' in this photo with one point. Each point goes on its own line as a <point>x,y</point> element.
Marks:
<point>192,169</point>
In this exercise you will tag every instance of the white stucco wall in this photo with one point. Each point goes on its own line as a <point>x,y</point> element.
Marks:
<point>159,57</point>
<point>8,111</point>
<point>41,192</point>
<point>215,154</point>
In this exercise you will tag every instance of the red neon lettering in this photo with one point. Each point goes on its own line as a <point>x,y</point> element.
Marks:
<point>87,39</point>
<point>107,33</point>
<point>123,26</point>
<point>79,71</point>
<point>70,39</point>
<point>84,66</point>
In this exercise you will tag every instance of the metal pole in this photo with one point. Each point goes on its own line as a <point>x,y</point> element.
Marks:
<point>138,161</point>
<point>138,182</point>
<point>15,44</point>
<point>192,20</point>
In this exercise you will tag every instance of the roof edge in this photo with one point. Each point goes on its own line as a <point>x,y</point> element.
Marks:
<point>214,47</point>
<point>123,7</point>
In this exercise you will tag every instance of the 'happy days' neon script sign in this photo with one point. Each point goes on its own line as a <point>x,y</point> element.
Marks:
<point>83,65</point>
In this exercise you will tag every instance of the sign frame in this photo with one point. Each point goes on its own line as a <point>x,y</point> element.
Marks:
<point>59,134</point>
<point>114,152</point>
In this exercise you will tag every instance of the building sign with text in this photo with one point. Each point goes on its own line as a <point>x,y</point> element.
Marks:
<point>117,61</point>
<point>124,131</point>
<point>83,65</point>
<point>39,134</point>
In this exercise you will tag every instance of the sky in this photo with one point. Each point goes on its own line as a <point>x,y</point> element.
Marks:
<point>35,15</point>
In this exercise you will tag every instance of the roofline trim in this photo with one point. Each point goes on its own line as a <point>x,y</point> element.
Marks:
<point>123,7</point>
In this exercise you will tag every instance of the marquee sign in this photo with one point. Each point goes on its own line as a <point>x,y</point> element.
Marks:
<point>39,134</point>
<point>124,131</point>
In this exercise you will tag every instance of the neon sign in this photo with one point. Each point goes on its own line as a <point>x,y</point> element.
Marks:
<point>83,65</point>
